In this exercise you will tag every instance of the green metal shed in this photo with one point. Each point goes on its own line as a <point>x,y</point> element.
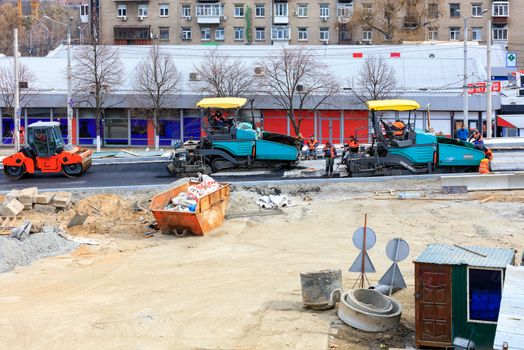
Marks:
<point>457,293</point>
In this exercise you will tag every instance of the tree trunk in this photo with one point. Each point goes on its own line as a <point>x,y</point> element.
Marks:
<point>155,126</point>
<point>291,117</point>
<point>98,118</point>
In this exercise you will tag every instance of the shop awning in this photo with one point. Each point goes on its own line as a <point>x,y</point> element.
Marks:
<point>515,121</point>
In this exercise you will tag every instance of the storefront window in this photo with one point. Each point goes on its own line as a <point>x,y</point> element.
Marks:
<point>7,127</point>
<point>116,127</point>
<point>169,127</point>
<point>86,127</point>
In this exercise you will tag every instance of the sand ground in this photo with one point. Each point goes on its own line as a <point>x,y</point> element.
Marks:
<point>238,288</point>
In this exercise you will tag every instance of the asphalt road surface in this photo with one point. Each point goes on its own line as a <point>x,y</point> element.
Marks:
<point>114,175</point>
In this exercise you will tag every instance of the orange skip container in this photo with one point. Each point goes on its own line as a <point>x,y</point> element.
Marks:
<point>209,212</point>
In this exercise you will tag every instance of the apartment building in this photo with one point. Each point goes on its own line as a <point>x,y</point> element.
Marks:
<point>142,22</point>
<point>515,30</point>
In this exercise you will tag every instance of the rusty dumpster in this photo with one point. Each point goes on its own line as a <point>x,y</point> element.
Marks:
<point>209,212</point>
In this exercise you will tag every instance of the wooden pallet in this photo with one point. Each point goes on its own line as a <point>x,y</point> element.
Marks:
<point>7,223</point>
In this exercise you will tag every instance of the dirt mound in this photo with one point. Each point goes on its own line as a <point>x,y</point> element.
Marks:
<point>103,204</point>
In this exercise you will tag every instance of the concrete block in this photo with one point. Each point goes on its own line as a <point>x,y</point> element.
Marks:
<point>45,209</point>
<point>61,199</point>
<point>28,207</point>
<point>13,194</point>
<point>44,198</point>
<point>11,207</point>
<point>27,196</point>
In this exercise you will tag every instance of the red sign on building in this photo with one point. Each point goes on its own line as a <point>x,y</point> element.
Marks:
<point>481,87</point>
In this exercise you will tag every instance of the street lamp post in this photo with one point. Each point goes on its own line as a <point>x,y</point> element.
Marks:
<point>465,85</point>
<point>69,80</point>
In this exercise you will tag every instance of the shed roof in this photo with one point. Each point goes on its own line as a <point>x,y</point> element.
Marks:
<point>511,315</point>
<point>444,254</point>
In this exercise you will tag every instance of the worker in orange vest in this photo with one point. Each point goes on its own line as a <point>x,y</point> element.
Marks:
<point>350,149</point>
<point>312,144</point>
<point>488,154</point>
<point>398,127</point>
<point>329,154</point>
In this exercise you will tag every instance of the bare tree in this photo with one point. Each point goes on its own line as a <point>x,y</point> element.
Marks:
<point>224,76</point>
<point>97,71</point>
<point>7,86</point>
<point>158,79</point>
<point>396,20</point>
<point>8,22</point>
<point>296,80</point>
<point>375,81</point>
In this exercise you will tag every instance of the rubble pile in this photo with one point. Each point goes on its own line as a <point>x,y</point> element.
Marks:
<point>28,199</point>
<point>187,201</point>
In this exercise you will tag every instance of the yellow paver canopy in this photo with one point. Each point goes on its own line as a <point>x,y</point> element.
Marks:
<point>222,102</point>
<point>393,105</point>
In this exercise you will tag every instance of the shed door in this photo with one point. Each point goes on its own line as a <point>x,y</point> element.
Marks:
<point>433,304</point>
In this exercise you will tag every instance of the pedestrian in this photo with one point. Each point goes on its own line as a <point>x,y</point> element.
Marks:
<point>329,154</point>
<point>462,133</point>
<point>477,140</point>
<point>312,144</point>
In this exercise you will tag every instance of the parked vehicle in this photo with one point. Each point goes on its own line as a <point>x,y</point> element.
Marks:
<point>231,141</point>
<point>396,150</point>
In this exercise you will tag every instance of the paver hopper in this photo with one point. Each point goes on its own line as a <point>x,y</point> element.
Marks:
<point>209,212</point>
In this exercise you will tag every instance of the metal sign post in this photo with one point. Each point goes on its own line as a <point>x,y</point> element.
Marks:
<point>364,239</point>
<point>396,250</point>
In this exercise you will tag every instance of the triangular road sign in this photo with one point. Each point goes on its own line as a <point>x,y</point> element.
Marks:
<point>357,264</point>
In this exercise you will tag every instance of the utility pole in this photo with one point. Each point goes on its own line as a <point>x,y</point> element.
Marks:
<point>69,99</point>
<point>17,91</point>
<point>489,102</point>
<point>465,87</point>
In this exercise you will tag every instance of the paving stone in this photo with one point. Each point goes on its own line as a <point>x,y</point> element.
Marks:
<point>27,196</point>
<point>61,199</point>
<point>11,207</point>
<point>44,198</point>
<point>46,209</point>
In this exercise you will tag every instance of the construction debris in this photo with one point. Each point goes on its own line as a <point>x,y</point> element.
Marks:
<point>61,200</point>
<point>272,201</point>
<point>44,198</point>
<point>78,219</point>
<point>187,201</point>
<point>7,223</point>
<point>22,232</point>
<point>11,207</point>
<point>27,196</point>
<point>42,208</point>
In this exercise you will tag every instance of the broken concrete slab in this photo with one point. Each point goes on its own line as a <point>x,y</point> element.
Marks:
<point>61,199</point>
<point>78,219</point>
<point>44,198</point>
<point>27,196</point>
<point>13,194</point>
<point>28,207</point>
<point>11,207</point>
<point>45,209</point>
<point>22,232</point>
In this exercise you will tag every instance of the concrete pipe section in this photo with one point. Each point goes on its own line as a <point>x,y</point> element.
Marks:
<point>321,290</point>
<point>369,310</point>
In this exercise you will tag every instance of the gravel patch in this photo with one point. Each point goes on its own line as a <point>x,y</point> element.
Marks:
<point>37,246</point>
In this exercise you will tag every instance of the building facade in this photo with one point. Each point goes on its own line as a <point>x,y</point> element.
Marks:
<point>263,22</point>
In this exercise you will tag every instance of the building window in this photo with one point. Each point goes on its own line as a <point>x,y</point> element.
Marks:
<point>433,34</point>
<point>324,10</point>
<point>500,9</point>
<point>324,34</point>
<point>500,34</point>
<point>367,7</point>
<point>219,34</point>
<point>205,34</point>
<point>239,33</point>
<point>454,33</point>
<point>476,33</point>
<point>280,33</point>
<point>260,10</point>
<point>367,35</point>
<point>484,294</point>
<point>454,10</point>
<point>186,33</point>
<point>209,10</point>
<point>476,10</point>
<point>84,10</point>
<point>281,9</point>
<point>186,11</point>
<point>164,10</point>
<point>344,11</point>
<point>260,33</point>
<point>303,34</point>
<point>164,33</point>
<point>142,10</point>
<point>239,10</point>
<point>122,11</point>
<point>433,10</point>
<point>302,10</point>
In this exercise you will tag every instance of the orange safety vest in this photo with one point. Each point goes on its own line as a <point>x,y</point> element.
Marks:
<point>312,144</point>
<point>488,154</point>
<point>331,150</point>
<point>398,128</point>
<point>353,144</point>
<point>484,166</point>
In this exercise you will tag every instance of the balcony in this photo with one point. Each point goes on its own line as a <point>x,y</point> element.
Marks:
<point>499,20</point>
<point>344,13</point>
<point>132,35</point>
<point>209,13</point>
<point>280,20</point>
<point>411,22</point>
